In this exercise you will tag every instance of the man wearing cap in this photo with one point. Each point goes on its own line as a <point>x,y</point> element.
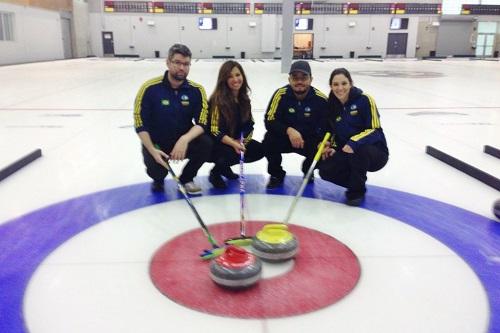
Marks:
<point>293,121</point>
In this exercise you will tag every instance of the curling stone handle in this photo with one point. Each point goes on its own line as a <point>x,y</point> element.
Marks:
<point>273,226</point>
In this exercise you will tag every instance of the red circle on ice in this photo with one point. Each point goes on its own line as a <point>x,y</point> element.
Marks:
<point>325,270</point>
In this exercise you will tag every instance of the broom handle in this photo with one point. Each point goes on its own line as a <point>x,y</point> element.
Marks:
<point>182,189</point>
<point>306,177</point>
<point>242,191</point>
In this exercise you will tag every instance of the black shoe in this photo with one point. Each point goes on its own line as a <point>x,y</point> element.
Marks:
<point>157,186</point>
<point>274,182</point>
<point>216,180</point>
<point>229,174</point>
<point>355,202</point>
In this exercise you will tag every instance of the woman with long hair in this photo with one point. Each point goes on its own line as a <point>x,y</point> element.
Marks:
<point>231,123</point>
<point>358,144</point>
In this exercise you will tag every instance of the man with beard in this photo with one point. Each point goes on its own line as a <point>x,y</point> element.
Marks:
<point>170,117</point>
<point>293,121</point>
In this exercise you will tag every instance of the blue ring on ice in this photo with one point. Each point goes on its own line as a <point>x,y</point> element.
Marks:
<point>27,240</point>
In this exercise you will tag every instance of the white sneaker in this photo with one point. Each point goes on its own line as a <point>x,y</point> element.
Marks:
<point>192,188</point>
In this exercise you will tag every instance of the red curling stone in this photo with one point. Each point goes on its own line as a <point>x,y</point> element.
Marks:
<point>236,268</point>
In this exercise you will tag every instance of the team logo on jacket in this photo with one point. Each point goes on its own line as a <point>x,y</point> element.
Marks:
<point>291,110</point>
<point>307,111</point>
<point>165,102</point>
<point>354,110</point>
<point>184,100</point>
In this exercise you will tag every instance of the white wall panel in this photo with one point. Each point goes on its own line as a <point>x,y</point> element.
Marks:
<point>37,36</point>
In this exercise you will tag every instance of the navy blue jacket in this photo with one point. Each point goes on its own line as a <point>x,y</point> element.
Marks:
<point>219,126</point>
<point>357,122</point>
<point>306,116</point>
<point>167,113</point>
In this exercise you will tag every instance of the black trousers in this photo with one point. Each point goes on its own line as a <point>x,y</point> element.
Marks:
<point>275,145</point>
<point>224,156</point>
<point>349,170</point>
<point>198,152</point>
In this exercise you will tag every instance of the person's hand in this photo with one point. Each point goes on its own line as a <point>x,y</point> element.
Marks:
<point>178,153</point>
<point>238,146</point>
<point>295,138</point>
<point>159,157</point>
<point>327,151</point>
<point>347,149</point>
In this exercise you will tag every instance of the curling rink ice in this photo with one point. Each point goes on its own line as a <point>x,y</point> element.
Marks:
<point>79,226</point>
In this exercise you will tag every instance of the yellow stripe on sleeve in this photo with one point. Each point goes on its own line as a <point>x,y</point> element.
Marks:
<point>138,99</point>
<point>362,134</point>
<point>320,94</point>
<point>203,119</point>
<point>248,138</point>
<point>214,122</point>
<point>271,115</point>
<point>373,111</point>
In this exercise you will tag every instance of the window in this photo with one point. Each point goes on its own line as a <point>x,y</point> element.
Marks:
<point>207,23</point>
<point>398,23</point>
<point>6,26</point>
<point>303,24</point>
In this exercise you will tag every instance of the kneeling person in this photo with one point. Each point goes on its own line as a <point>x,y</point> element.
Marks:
<point>293,121</point>
<point>359,143</point>
<point>231,118</point>
<point>165,108</point>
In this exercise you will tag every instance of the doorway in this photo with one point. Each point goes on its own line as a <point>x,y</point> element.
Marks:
<point>396,44</point>
<point>485,45</point>
<point>66,38</point>
<point>108,45</point>
<point>485,42</point>
<point>303,46</point>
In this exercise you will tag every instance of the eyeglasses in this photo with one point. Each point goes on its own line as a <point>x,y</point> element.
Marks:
<point>178,63</point>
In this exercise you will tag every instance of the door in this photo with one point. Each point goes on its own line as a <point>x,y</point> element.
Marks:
<point>484,45</point>
<point>66,38</point>
<point>396,44</point>
<point>108,46</point>
<point>303,46</point>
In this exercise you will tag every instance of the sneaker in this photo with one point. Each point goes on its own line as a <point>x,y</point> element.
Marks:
<point>229,174</point>
<point>157,186</point>
<point>192,188</point>
<point>216,180</point>
<point>355,202</point>
<point>274,182</point>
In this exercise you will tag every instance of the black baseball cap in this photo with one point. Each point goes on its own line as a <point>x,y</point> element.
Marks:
<point>300,66</point>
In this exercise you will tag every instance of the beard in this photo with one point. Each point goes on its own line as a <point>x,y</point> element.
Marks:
<point>300,90</point>
<point>179,76</point>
